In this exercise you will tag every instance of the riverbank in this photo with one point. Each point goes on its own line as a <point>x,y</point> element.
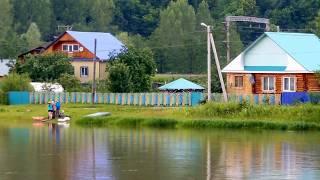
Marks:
<point>231,115</point>
<point>234,116</point>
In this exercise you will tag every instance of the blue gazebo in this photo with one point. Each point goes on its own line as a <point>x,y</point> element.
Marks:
<point>181,85</point>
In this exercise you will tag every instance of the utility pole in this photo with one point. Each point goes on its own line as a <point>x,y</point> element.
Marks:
<point>208,59</point>
<point>94,72</point>
<point>228,41</point>
<point>225,96</point>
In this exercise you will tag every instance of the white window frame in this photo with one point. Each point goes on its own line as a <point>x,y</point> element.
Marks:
<point>81,72</point>
<point>70,48</point>
<point>63,45</point>
<point>274,84</point>
<point>235,79</point>
<point>289,85</point>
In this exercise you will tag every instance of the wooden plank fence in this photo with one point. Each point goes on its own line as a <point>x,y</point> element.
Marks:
<point>149,99</point>
<point>138,99</point>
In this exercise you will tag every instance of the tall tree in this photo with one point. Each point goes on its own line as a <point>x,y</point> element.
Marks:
<point>5,18</point>
<point>101,13</point>
<point>203,16</point>
<point>38,11</point>
<point>45,67</point>
<point>131,70</point>
<point>5,26</point>
<point>175,38</point>
<point>32,36</point>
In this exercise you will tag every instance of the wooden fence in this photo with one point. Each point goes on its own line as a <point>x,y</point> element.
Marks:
<point>150,99</point>
<point>141,99</point>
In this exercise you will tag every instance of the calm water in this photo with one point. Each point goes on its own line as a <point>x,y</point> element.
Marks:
<point>48,151</point>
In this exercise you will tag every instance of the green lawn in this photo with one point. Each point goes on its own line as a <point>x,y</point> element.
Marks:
<point>300,117</point>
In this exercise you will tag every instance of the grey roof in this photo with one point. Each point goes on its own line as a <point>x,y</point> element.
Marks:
<point>107,44</point>
<point>4,69</point>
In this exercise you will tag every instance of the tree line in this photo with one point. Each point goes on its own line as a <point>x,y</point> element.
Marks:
<point>170,28</point>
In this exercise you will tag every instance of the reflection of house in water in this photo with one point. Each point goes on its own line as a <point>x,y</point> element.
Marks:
<point>244,160</point>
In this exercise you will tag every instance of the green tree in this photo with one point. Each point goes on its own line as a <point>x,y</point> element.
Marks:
<point>44,68</point>
<point>32,36</point>
<point>135,67</point>
<point>38,11</point>
<point>241,8</point>
<point>69,82</point>
<point>5,18</point>
<point>102,14</point>
<point>175,38</point>
<point>203,16</point>
<point>5,27</point>
<point>14,82</point>
<point>119,78</point>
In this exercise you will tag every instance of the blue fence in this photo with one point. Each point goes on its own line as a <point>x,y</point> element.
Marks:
<point>17,98</point>
<point>157,99</point>
<point>140,99</point>
<point>289,98</point>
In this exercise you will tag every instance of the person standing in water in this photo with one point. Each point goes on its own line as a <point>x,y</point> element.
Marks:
<point>54,108</point>
<point>50,110</point>
<point>58,107</point>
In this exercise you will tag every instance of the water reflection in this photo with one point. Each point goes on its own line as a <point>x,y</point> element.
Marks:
<point>57,151</point>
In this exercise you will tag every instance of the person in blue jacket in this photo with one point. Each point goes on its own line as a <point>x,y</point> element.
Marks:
<point>58,107</point>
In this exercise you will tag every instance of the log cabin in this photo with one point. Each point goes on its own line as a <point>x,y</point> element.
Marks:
<point>276,62</point>
<point>79,46</point>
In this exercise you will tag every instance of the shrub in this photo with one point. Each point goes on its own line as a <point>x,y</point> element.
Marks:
<point>14,82</point>
<point>314,98</point>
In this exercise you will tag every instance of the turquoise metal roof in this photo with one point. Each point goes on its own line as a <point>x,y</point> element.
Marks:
<point>265,68</point>
<point>107,44</point>
<point>181,84</point>
<point>302,47</point>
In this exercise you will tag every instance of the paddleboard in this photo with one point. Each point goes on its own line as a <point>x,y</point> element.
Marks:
<point>64,119</point>
<point>99,114</point>
<point>39,118</point>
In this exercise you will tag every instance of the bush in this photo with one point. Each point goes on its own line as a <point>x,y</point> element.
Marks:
<point>70,83</point>
<point>14,82</point>
<point>314,98</point>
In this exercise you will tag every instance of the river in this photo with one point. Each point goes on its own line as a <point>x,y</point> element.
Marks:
<point>50,151</point>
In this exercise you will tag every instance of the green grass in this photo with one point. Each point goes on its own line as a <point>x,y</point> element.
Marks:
<point>213,115</point>
<point>195,124</point>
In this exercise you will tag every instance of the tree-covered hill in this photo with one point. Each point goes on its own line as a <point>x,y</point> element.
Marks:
<point>171,28</point>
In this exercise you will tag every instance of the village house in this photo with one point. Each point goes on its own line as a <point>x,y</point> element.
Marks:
<point>79,46</point>
<point>275,63</point>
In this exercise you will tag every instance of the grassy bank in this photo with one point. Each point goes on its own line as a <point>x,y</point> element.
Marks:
<point>196,124</point>
<point>234,116</point>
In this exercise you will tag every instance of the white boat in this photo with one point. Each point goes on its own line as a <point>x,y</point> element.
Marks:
<point>64,119</point>
<point>98,114</point>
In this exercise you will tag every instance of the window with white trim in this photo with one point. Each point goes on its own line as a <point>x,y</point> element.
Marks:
<point>238,81</point>
<point>70,47</point>
<point>65,48</point>
<point>84,71</point>
<point>268,84</point>
<point>289,84</point>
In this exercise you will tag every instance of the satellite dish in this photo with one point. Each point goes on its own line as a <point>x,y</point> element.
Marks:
<point>81,49</point>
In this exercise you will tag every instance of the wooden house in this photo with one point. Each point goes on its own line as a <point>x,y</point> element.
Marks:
<point>79,46</point>
<point>276,62</point>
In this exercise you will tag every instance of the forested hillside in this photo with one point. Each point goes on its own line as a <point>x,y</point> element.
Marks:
<point>171,28</point>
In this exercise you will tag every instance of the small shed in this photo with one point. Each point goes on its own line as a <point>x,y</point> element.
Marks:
<point>181,85</point>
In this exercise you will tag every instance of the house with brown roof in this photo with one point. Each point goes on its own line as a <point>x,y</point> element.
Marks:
<point>79,46</point>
